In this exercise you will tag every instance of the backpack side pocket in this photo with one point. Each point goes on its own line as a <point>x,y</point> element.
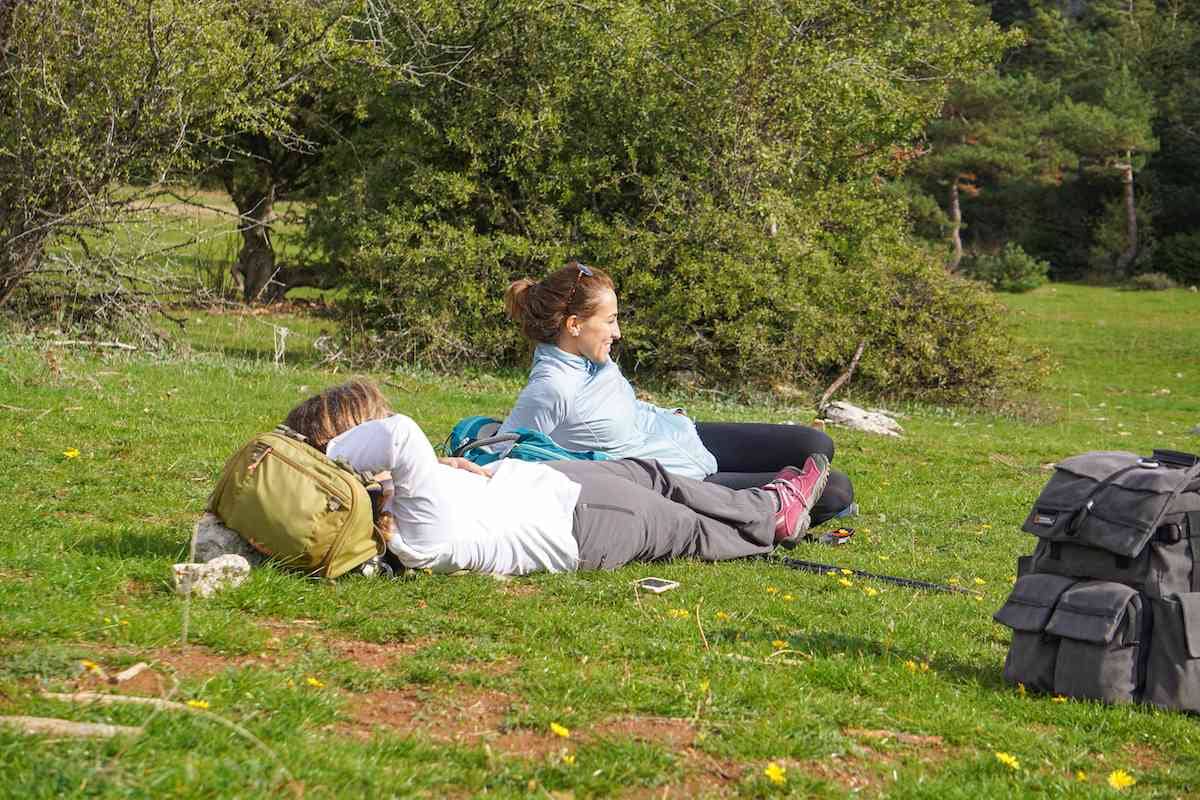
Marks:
<point>1102,626</point>
<point>1033,654</point>
<point>1173,672</point>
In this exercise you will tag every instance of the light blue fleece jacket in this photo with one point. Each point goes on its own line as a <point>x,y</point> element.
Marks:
<point>582,405</point>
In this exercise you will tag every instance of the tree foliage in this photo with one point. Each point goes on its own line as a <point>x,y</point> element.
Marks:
<point>100,94</point>
<point>1122,104</point>
<point>725,162</point>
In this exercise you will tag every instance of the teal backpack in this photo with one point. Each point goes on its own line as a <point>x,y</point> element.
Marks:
<point>472,436</point>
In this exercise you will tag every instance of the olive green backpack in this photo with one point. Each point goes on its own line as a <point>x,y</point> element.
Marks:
<point>297,506</point>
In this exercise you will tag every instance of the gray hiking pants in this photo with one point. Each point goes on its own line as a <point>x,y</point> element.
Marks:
<point>634,510</point>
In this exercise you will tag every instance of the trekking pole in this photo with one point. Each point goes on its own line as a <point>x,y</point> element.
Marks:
<point>912,583</point>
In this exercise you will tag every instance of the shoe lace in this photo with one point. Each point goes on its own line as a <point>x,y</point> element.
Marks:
<point>787,491</point>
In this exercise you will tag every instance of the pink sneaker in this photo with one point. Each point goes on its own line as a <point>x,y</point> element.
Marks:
<point>798,490</point>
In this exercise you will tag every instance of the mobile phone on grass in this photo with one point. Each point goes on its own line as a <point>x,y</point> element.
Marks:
<point>656,585</point>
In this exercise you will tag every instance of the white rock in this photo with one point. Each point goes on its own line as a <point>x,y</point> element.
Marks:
<point>214,540</point>
<point>849,415</point>
<point>223,572</point>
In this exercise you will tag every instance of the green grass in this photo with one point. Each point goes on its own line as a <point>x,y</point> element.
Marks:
<point>87,542</point>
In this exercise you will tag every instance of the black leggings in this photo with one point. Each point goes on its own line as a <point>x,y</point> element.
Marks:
<point>750,453</point>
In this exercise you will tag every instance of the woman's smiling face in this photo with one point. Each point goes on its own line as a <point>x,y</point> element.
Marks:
<point>592,337</point>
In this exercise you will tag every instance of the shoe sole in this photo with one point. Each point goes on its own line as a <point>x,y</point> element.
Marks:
<point>804,522</point>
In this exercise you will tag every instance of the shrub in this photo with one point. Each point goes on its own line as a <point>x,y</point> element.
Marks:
<point>1178,256</point>
<point>1151,282</point>
<point>708,161</point>
<point>1010,270</point>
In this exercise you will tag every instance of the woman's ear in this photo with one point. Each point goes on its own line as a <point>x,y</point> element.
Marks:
<point>571,325</point>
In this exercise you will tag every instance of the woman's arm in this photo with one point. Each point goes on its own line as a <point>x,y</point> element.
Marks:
<point>395,444</point>
<point>542,406</point>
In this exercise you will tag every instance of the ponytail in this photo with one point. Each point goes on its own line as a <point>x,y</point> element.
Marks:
<point>541,308</point>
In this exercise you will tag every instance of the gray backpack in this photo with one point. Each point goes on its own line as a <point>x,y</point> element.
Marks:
<point>1108,605</point>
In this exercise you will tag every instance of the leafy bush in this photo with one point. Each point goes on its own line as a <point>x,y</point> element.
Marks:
<point>1151,282</point>
<point>723,170</point>
<point>1010,270</point>
<point>1178,256</point>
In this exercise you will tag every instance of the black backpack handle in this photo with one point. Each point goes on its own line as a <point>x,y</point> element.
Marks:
<point>484,442</point>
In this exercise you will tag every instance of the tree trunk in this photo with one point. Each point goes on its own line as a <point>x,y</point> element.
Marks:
<point>955,226</point>
<point>1126,259</point>
<point>255,265</point>
<point>18,262</point>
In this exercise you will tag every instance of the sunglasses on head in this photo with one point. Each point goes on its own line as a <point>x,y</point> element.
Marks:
<point>584,269</point>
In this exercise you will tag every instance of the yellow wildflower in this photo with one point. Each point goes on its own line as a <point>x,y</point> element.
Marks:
<point>313,682</point>
<point>772,590</point>
<point>722,616</point>
<point>776,774</point>
<point>980,581</point>
<point>870,591</point>
<point>201,704</point>
<point>1058,698</point>
<point>568,759</point>
<point>1080,776</point>
<point>679,613</point>
<point>1021,689</point>
<point>788,598</point>
<point>953,581</point>
<point>847,571</point>
<point>778,644</point>
<point>1008,760</point>
<point>910,665</point>
<point>1120,780</point>
<point>831,572</point>
<point>844,582</point>
<point>71,452</point>
<point>704,684</point>
<point>559,730</point>
<point>885,558</point>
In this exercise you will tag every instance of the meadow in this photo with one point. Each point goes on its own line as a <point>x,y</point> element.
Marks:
<point>750,679</point>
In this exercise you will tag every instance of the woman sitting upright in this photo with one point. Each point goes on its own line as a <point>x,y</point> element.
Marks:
<point>577,396</point>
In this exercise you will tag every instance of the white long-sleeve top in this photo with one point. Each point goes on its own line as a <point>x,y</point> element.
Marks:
<point>448,519</point>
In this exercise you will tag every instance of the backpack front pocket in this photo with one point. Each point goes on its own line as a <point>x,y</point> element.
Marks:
<point>1100,626</point>
<point>1173,672</point>
<point>1032,657</point>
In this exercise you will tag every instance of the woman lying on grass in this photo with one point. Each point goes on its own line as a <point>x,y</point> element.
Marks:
<point>578,397</point>
<point>516,517</point>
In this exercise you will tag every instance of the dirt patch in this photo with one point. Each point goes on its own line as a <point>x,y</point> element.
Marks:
<point>372,655</point>
<point>530,744</point>
<point>896,736</point>
<point>667,731</point>
<point>704,776</point>
<point>16,576</point>
<point>495,669</point>
<point>521,589</point>
<point>454,714</point>
<point>851,773</point>
<point>1143,758</point>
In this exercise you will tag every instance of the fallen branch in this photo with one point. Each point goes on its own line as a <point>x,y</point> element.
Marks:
<point>168,705</point>
<point>89,343</point>
<point>841,380</point>
<point>102,699</point>
<point>65,727</point>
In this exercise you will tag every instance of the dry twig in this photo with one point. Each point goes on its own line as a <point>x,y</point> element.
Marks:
<point>65,727</point>
<point>843,378</point>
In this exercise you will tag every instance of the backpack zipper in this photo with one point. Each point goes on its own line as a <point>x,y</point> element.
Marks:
<point>347,503</point>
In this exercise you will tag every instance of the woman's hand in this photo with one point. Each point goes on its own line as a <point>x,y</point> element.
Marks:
<point>462,463</point>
